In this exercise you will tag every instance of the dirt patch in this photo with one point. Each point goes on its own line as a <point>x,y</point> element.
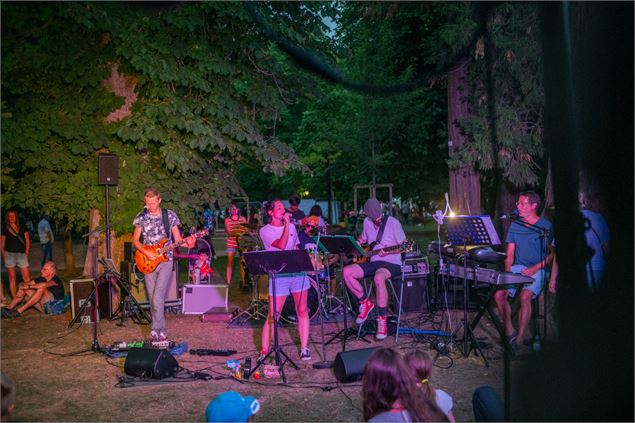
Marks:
<point>84,387</point>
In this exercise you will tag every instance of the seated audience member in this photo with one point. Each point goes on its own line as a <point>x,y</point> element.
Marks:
<point>421,363</point>
<point>231,407</point>
<point>390,392</point>
<point>36,293</point>
<point>488,405</point>
<point>8,397</point>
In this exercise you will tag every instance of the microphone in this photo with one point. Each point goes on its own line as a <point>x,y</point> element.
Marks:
<point>438,217</point>
<point>509,215</point>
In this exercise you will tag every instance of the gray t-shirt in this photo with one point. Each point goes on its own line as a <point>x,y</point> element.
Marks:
<point>152,227</point>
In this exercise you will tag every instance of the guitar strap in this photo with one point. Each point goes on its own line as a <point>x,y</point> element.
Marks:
<point>168,232</point>
<point>380,234</point>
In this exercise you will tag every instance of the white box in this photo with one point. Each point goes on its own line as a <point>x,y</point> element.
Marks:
<point>197,299</point>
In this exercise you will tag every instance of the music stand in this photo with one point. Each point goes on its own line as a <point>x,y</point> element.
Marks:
<point>470,230</point>
<point>273,263</point>
<point>342,245</point>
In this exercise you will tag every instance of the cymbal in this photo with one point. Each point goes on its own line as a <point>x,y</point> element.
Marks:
<point>251,226</point>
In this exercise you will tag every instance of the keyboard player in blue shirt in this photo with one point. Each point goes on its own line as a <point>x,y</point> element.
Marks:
<point>528,254</point>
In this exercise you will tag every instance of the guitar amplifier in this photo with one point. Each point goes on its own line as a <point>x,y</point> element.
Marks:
<point>197,299</point>
<point>80,291</point>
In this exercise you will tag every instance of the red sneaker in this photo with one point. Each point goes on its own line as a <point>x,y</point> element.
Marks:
<point>365,308</point>
<point>382,328</point>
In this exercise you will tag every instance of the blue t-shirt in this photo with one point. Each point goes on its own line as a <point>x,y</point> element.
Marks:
<point>528,241</point>
<point>596,233</point>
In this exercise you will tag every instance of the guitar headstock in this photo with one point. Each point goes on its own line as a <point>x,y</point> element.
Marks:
<point>200,233</point>
<point>407,246</point>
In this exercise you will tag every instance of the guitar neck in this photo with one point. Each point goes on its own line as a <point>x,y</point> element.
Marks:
<point>178,244</point>
<point>386,250</point>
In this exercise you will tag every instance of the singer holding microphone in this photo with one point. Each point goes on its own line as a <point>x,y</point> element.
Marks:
<point>529,255</point>
<point>281,234</point>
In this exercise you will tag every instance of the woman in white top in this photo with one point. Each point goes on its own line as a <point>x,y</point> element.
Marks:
<point>278,235</point>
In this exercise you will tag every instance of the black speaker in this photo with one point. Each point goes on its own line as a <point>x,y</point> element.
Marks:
<point>349,365</point>
<point>107,292</point>
<point>128,252</point>
<point>150,363</point>
<point>108,169</point>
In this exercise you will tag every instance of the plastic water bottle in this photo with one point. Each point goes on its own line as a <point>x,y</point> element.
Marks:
<point>536,344</point>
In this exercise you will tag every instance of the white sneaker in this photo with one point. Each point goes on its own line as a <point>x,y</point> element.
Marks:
<point>154,335</point>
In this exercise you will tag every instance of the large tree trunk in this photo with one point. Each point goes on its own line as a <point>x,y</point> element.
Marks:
<point>69,258</point>
<point>92,252</point>
<point>465,186</point>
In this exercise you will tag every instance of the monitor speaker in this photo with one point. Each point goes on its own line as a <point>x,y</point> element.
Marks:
<point>349,365</point>
<point>108,169</point>
<point>150,363</point>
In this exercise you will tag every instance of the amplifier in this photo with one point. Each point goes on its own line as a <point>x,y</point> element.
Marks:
<point>415,267</point>
<point>197,299</point>
<point>80,290</point>
<point>416,294</point>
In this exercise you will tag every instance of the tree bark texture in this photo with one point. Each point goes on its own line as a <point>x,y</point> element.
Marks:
<point>465,185</point>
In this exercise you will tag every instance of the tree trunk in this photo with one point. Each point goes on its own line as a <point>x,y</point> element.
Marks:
<point>69,258</point>
<point>92,252</point>
<point>465,186</point>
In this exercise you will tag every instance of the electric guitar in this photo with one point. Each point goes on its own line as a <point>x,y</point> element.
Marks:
<point>145,265</point>
<point>402,248</point>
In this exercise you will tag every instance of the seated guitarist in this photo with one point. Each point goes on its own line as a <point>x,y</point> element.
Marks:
<point>155,226</point>
<point>381,266</point>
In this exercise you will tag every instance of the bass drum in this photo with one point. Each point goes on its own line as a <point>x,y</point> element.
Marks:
<point>288,311</point>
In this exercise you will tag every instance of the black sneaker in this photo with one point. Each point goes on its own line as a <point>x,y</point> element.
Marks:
<point>305,354</point>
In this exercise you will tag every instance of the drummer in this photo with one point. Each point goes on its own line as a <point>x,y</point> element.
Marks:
<point>234,230</point>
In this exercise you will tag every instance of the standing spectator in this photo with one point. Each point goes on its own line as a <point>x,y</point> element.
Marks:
<point>208,223</point>
<point>405,213</point>
<point>234,229</point>
<point>16,243</point>
<point>298,218</point>
<point>597,236</point>
<point>46,240</point>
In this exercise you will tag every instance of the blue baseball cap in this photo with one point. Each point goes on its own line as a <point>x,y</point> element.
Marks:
<point>231,407</point>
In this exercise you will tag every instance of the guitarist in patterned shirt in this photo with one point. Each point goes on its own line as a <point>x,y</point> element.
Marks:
<point>384,264</point>
<point>152,223</point>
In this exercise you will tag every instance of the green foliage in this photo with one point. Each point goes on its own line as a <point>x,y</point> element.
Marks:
<point>209,92</point>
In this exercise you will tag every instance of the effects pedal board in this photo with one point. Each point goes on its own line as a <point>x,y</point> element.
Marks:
<point>125,346</point>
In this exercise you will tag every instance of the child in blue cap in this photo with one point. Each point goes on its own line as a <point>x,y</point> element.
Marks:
<point>231,407</point>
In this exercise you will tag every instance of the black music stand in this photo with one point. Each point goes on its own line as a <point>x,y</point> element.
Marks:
<point>342,245</point>
<point>470,230</point>
<point>273,263</point>
<point>128,305</point>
